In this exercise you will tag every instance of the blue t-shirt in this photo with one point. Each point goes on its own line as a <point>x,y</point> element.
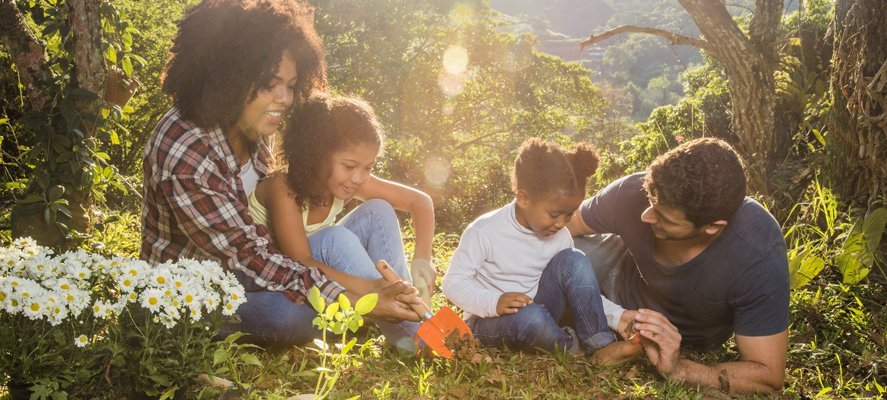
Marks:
<point>738,284</point>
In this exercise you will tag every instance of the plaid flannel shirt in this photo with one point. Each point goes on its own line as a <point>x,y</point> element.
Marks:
<point>194,206</point>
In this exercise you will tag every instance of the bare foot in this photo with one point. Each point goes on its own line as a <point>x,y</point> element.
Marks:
<point>617,353</point>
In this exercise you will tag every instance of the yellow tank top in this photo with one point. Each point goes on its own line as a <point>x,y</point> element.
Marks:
<point>260,214</point>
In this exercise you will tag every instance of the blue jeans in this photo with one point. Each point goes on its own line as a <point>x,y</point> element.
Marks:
<point>568,293</point>
<point>366,235</point>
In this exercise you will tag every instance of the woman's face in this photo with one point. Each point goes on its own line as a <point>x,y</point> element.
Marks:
<point>262,116</point>
<point>351,168</point>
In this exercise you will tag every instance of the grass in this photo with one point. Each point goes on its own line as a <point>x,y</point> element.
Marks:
<point>837,350</point>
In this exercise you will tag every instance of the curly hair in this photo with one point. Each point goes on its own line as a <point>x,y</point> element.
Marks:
<point>705,178</point>
<point>543,168</point>
<point>323,126</point>
<point>226,50</point>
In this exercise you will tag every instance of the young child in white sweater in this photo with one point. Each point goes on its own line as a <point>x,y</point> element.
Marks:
<point>516,274</point>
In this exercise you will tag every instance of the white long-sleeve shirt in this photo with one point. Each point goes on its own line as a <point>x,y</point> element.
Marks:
<point>496,254</point>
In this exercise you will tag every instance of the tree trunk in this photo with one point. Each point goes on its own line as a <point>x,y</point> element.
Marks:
<point>28,52</point>
<point>858,127</point>
<point>749,62</point>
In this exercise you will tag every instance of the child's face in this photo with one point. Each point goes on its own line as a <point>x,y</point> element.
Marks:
<point>350,169</point>
<point>547,215</point>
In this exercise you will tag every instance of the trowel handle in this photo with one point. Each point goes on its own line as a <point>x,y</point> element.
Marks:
<point>391,276</point>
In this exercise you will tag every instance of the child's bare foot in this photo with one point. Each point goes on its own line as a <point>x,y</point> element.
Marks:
<point>617,353</point>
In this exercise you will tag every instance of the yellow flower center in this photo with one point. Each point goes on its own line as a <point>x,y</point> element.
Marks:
<point>161,280</point>
<point>152,301</point>
<point>66,286</point>
<point>188,298</point>
<point>35,307</point>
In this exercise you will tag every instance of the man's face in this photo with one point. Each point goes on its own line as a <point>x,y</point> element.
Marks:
<point>670,223</point>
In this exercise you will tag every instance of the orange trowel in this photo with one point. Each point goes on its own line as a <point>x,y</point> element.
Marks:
<point>435,327</point>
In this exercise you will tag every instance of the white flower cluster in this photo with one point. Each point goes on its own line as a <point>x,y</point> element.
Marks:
<point>39,285</point>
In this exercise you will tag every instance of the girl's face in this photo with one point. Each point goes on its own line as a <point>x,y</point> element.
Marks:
<point>351,168</point>
<point>262,116</point>
<point>547,215</point>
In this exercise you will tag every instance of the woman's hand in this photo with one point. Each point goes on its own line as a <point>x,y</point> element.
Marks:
<point>394,302</point>
<point>511,302</point>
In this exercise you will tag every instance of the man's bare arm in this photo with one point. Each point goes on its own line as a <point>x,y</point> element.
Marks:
<point>577,226</point>
<point>760,369</point>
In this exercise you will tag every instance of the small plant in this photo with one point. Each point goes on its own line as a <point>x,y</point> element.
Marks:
<point>339,318</point>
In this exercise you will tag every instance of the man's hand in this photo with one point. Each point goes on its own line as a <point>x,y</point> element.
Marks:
<point>511,302</point>
<point>626,327</point>
<point>661,340</point>
<point>394,303</point>
<point>424,278</point>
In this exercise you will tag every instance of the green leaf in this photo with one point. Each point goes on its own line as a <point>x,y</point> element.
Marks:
<point>348,346</point>
<point>366,304</point>
<point>316,300</point>
<point>111,54</point>
<point>873,228</point>
<point>126,64</point>
<point>63,208</point>
<point>32,198</point>
<point>250,359</point>
<point>354,324</point>
<point>220,356</point>
<point>808,269</point>
<point>55,192</point>
<point>169,393</point>
<point>331,311</point>
<point>344,303</point>
<point>17,185</point>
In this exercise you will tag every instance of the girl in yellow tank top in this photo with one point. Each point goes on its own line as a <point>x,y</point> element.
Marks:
<point>330,146</point>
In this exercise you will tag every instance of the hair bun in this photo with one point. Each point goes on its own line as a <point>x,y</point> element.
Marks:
<point>585,159</point>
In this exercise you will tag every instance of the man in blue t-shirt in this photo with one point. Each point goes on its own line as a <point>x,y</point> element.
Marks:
<point>694,262</point>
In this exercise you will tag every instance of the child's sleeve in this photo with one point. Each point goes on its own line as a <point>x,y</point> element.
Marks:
<point>460,283</point>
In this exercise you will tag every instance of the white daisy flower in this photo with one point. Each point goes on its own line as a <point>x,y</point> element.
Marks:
<point>81,341</point>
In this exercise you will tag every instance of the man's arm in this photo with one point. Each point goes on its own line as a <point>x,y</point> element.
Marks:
<point>760,369</point>
<point>577,225</point>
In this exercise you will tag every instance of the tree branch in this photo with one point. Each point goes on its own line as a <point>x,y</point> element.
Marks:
<point>672,37</point>
<point>28,54</point>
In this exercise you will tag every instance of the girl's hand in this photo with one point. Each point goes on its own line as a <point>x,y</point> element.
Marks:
<point>511,302</point>
<point>424,278</point>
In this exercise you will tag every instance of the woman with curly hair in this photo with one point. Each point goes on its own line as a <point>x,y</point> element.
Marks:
<point>235,69</point>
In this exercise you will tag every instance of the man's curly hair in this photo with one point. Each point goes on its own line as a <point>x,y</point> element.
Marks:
<point>704,178</point>
<point>543,168</point>
<point>322,126</point>
<point>226,50</point>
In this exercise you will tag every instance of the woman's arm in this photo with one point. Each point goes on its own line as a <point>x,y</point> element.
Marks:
<point>290,237</point>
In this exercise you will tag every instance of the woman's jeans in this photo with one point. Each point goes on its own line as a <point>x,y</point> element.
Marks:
<point>366,235</point>
<point>569,294</point>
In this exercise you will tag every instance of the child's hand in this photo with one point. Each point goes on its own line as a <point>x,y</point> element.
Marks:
<point>424,277</point>
<point>511,302</point>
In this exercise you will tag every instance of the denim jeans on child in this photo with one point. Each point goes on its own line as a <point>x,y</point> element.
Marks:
<point>567,287</point>
<point>366,235</point>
